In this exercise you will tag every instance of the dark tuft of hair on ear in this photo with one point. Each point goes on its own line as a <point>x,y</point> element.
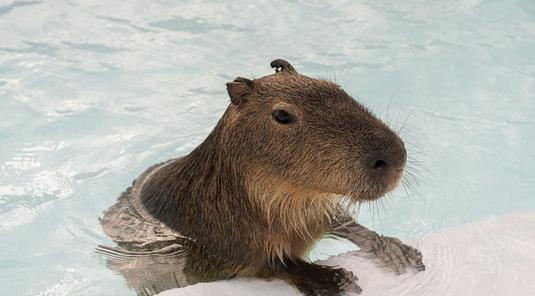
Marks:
<point>239,90</point>
<point>282,66</point>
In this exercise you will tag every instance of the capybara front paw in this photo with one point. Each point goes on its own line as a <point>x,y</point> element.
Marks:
<point>332,282</point>
<point>348,282</point>
<point>395,254</point>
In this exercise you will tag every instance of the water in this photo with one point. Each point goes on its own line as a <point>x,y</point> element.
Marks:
<point>92,93</point>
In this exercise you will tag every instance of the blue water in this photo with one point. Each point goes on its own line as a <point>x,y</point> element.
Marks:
<point>93,92</point>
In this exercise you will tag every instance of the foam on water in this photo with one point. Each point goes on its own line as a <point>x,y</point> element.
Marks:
<point>92,93</point>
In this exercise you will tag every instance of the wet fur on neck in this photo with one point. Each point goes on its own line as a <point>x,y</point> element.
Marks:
<point>296,217</point>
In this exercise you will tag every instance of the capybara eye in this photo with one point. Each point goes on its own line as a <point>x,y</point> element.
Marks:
<point>283,117</point>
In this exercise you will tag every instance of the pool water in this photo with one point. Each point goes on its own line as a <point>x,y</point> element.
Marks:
<point>94,92</point>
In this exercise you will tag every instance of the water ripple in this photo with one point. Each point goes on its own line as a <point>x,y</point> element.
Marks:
<point>194,25</point>
<point>5,9</point>
<point>94,47</point>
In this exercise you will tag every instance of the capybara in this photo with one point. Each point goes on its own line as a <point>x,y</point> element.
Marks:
<point>279,171</point>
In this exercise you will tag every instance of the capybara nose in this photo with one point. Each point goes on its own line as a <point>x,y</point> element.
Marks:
<point>389,160</point>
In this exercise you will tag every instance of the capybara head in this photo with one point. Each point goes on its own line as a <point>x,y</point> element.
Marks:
<point>310,134</point>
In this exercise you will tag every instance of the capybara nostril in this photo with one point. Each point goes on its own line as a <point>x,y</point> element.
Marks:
<point>379,164</point>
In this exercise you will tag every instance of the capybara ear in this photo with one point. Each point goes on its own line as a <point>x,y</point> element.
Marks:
<point>239,90</point>
<point>282,66</point>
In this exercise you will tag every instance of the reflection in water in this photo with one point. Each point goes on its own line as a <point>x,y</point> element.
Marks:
<point>149,272</point>
<point>153,257</point>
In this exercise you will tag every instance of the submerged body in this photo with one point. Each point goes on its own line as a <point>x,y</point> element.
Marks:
<point>266,184</point>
